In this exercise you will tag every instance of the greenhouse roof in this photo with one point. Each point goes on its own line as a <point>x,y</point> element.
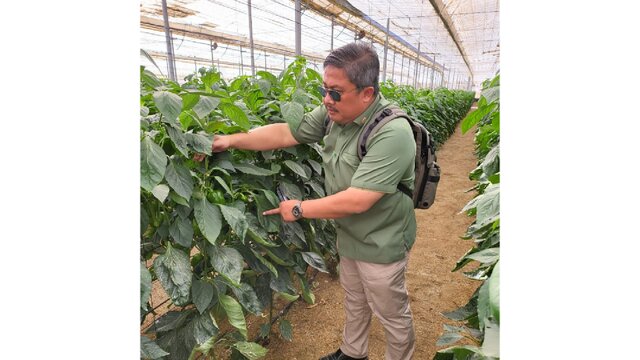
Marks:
<point>459,38</point>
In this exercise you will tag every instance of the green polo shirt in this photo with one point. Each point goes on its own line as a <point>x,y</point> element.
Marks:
<point>387,230</point>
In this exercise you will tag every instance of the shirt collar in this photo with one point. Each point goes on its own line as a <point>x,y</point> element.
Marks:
<point>373,108</point>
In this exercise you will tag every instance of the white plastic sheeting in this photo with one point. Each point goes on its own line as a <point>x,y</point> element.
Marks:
<point>458,40</point>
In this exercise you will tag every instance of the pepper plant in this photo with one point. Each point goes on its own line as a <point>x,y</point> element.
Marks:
<point>203,235</point>
<point>438,110</point>
<point>481,315</point>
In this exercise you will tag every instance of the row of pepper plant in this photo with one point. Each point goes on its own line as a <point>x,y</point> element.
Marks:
<point>202,229</point>
<point>479,319</point>
<point>439,110</point>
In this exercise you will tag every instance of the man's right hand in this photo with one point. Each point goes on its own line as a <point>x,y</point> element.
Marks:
<point>220,144</point>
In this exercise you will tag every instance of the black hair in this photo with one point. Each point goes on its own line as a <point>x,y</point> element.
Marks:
<point>360,61</point>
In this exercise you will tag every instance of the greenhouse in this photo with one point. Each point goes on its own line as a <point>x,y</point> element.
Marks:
<point>271,172</point>
<point>454,44</point>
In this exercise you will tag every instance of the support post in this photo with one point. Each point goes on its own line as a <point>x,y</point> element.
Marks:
<point>211,47</point>
<point>298,28</point>
<point>333,21</point>
<point>253,65</point>
<point>241,62</point>
<point>434,70</point>
<point>415,74</point>
<point>393,67</point>
<point>171,61</point>
<point>386,47</point>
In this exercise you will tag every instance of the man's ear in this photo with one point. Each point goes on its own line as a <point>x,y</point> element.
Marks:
<point>367,94</point>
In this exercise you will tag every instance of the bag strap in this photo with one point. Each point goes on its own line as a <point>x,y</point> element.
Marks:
<point>383,117</point>
<point>388,114</point>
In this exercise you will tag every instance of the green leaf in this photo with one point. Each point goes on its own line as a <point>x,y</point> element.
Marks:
<point>292,233</point>
<point>317,167</point>
<point>203,328</point>
<point>179,139</point>
<point>475,117</point>
<point>181,231</point>
<point>169,104</point>
<point>307,295</point>
<point>300,96</point>
<point>484,311</point>
<point>223,184</point>
<point>206,105</point>
<point>448,338</point>
<point>491,163</point>
<point>202,294</point>
<point>179,178</point>
<point>235,219</point>
<point>160,191</point>
<point>145,286</point>
<point>265,329</point>
<point>208,218</point>
<point>189,100</point>
<point>267,76</point>
<point>265,262</point>
<point>200,143</point>
<point>178,343</point>
<point>265,87</point>
<point>285,329</point>
<point>488,205</point>
<point>153,163</point>
<point>292,113</point>
<point>292,191</point>
<point>463,352</point>
<point>486,256</point>
<point>491,343</point>
<point>465,312</point>
<point>491,94</point>
<point>315,260</point>
<point>296,168</point>
<point>251,169</point>
<point>317,188</point>
<point>174,273</point>
<point>149,349</point>
<point>169,321</point>
<point>148,78</point>
<point>250,350</point>
<point>236,115</point>
<point>264,202</point>
<point>234,313</point>
<point>248,298</point>
<point>288,296</point>
<point>228,262</point>
<point>178,199</point>
<point>494,292</point>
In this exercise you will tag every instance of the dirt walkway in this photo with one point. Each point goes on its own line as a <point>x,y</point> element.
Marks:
<point>433,288</point>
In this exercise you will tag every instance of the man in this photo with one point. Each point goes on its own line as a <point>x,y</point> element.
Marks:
<point>375,223</point>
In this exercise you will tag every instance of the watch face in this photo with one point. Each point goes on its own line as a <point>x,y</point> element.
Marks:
<point>296,211</point>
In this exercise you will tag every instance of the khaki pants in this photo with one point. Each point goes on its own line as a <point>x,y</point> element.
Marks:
<point>379,288</point>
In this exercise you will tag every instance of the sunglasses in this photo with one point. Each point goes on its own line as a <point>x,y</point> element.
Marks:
<point>334,94</point>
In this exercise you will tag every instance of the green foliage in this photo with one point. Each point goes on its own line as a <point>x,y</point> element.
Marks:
<point>216,256</point>
<point>481,315</point>
<point>439,110</point>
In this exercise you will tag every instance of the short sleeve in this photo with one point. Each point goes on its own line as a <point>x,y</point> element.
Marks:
<point>389,160</point>
<point>311,127</point>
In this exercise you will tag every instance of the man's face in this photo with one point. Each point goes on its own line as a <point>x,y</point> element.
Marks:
<point>352,102</point>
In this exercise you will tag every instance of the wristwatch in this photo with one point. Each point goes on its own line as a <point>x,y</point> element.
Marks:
<point>297,210</point>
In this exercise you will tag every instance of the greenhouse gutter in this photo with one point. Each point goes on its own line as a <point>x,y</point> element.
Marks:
<point>345,5</point>
<point>440,9</point>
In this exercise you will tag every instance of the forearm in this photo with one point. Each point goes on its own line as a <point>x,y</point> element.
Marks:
<point>345,203</point>
<point>268,137</point>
